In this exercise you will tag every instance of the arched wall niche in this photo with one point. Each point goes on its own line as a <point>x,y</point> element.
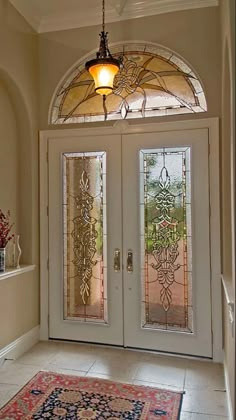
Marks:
<point>153,81</point>
<point>18,164</point>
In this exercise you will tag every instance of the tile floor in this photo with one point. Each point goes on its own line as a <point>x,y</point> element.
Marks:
<point>203,382</point>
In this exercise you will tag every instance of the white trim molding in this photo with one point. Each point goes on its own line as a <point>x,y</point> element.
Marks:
<point>20,345</point>
<point>125,127</point>
<point>53,19</point>
<point>228,396</point>
<point>132,10</point>
<point>12,272</point>
<point>229,297</point>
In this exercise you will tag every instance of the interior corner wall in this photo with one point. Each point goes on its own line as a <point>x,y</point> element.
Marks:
<point>19,295</point>
<point>193,34</point>
<point>228,184</point>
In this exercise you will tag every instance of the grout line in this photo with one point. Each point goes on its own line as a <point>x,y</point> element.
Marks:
<point>185,374</point>
<point>91,366</point>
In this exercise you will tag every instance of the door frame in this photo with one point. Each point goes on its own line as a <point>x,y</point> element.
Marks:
<point>125,127</point>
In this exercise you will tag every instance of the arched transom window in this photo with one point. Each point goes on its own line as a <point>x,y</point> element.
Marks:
<point>152,82</point>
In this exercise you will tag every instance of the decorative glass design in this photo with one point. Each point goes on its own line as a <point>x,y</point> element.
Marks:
<point>151,82</point>
<point>84,215</point>
<point>166,251</point>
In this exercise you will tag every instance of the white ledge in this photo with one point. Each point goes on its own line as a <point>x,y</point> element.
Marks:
<point>228,289</point>
<point>229,296</point>
<point>12,272</point>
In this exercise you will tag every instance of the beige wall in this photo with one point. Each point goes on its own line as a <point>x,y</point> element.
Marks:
<point>9,197</point>
<point>18,306</point>
<point>228,181</point>
<point>19,296</point>
<point>194,34</point>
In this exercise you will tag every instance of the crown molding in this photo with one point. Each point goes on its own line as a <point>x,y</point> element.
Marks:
<point>130,9</point>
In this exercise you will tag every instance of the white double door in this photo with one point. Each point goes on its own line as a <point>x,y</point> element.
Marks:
<point>129,260</point>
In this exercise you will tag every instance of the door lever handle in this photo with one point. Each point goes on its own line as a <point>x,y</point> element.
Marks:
<point>129,261</point>
<point>116,265</point>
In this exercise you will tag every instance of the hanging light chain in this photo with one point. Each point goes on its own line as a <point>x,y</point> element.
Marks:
<point>103,15</point>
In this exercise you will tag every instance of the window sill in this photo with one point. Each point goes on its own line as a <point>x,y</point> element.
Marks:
<point>12,272</point>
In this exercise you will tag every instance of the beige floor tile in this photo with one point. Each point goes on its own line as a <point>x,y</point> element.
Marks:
<point>157,385</point>
<point>200,402</point>
<point>198,416</point>
<point>73,361</point>
<point>114,354</point>
<point>111,377</point>
<point>159,359</point>
<point>7,392</point>
<point>40,354</point>
<point>45,348</point>
<point>204,374</point>
<point>185,415</point>
<point>161,373</point>
<point>75,348</point>
<point>205,401</point>
<point>17,374</point>
<point>57,369</point>
<point>115,366</point>
<point>47,345</point>
<point>36,358</point>
<point>7,362</point>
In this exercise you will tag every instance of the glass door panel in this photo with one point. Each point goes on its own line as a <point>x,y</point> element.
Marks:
<point>165,234</point>
<point>167,304</point>
<point>84,201</point>
<point>85,236</point>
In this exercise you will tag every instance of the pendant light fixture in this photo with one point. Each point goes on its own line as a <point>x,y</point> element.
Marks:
<point>103,68</point>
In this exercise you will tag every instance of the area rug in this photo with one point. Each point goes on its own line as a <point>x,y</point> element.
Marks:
<point>56,396</point>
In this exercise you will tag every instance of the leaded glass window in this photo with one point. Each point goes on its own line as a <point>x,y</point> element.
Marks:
<point>166,239</point>
<point>152,82</point>
<point>85,236</point>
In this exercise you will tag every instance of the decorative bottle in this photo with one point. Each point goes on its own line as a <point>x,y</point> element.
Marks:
<point>18,251</point>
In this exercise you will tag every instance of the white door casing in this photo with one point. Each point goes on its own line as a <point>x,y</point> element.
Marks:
<point>210,126</point>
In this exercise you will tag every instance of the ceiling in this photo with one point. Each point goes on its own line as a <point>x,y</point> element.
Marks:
<point>53,15</point>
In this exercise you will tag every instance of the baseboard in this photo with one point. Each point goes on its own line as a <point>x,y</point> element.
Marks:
<point>20,345</point>
<point>229,402</point>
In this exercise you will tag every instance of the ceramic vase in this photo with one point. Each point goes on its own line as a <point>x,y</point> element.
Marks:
<point>2,260</point>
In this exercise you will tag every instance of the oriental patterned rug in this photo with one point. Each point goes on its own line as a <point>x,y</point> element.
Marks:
<point>56,396</point>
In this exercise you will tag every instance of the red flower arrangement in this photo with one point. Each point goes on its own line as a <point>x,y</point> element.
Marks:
<point>5,229</point>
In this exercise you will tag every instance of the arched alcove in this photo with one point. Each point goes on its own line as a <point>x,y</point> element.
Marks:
<point>16,165</point>
<point>153,81</point>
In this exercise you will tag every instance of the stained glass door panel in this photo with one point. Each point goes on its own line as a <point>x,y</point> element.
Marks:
<point>166,213</point>
<point>85,236</point>
<point>85,295</point>
<point>166,242</point>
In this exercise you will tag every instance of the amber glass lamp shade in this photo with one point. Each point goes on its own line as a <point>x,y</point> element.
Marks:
<point>103,72</point>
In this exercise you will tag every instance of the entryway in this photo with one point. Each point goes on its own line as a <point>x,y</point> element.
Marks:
<point>129,239</point>
<point>202,381</point>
